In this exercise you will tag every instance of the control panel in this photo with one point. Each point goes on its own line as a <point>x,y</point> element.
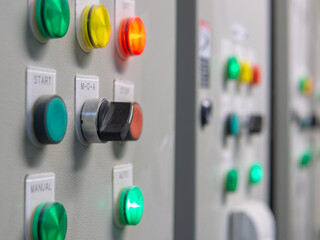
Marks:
<point>295,120</point>
<point>231,121</point>
<point>88,137</point>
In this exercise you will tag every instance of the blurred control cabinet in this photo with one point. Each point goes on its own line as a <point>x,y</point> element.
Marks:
<point>88,119</point>
<point>229,96</point>
<point>316,106</point>
<point>295,121</point>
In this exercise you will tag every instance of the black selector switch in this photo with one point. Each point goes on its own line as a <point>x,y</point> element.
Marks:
<point>255,124</point>
<point>103,121</point>
<point>206,111</point>
<point>114,120</point>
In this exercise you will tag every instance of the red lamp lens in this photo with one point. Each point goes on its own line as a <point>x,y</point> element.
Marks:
<point>132,36</point>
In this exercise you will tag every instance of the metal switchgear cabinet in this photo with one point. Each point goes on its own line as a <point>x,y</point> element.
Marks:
<point>87,103</point>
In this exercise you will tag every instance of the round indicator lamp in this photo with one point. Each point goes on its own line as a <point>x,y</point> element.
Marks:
<point>306,86</point>
<point>233,68</point>
<point>256,75</point>
<point>256,174</point>
<point>132,36</point>
<point>50,119</point>
<point>232,180</point>
<point>49,222</point>
<point>246,73</point>
<point>96,26</point>
<point>306,158</point>
<point>131,205</point>
<point>52,18</point>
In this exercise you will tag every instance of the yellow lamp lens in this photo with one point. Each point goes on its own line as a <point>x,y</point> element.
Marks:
<point>96,26</point>
<point>246,73</point>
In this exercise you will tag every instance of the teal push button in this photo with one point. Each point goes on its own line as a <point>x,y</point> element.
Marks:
<point>131,205</point>
<point>50,119</point>
<point>233,125</point>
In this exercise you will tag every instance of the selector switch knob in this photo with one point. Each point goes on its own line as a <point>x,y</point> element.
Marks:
<point>255,124</point>
<point>49,222</point>
<point>206,112</point>
<point>103,121</point>
<point>49,119</point>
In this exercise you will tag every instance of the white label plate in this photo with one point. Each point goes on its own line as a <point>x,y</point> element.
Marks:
<point>123,91</point>
<point>38,188</point>
<point>86,87</point>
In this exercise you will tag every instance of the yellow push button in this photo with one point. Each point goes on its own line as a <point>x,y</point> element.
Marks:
<point>96,27</point>
<point>246,73</point>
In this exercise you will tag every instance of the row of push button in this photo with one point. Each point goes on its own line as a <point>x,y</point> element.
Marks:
<point>101,121</point>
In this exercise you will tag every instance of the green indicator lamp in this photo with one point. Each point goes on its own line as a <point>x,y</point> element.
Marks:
<point>306,158</point>
<point>256,174</point>
<point>49,222</point>
<point>130,205</point>
<point>52,18</point>
<point>233,68</point>
<point>232,180</point>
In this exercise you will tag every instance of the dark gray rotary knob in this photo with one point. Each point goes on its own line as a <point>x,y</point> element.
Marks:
<point>103,121</point>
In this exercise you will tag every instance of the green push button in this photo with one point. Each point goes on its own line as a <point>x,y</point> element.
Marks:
<point>131,205</point>
<point>52,18</point>
<point>50,119</point>
<point>233,68</point>
<point>256,174</point>
<point>232,180</point>
<point>49,222</point>
<point>306,158</point>
<point>233,125</point>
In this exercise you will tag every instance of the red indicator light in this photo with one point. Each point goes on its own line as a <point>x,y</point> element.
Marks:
<point>132,36</point>
<point>256,75</point>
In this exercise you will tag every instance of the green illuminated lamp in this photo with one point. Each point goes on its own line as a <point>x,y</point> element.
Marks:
<point>233,68</point>
<point>52,18</point>
<point>232,180</point>
<point>130,205</point>
<point>256,174</point>
<point>49,222</point>
<point>306,158</point>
